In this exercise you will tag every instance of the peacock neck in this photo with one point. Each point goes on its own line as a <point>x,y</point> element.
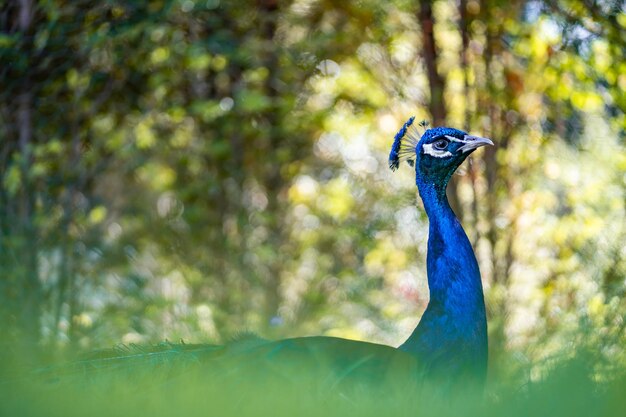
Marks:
<point>453,328</point>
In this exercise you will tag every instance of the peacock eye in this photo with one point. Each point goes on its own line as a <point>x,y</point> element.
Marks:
<point>441,144</point>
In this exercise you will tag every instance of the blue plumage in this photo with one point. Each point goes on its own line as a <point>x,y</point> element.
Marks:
<point>399,145</point>
<point>451,337</point>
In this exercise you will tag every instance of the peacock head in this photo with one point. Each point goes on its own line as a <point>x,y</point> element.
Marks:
<point>436,154</point>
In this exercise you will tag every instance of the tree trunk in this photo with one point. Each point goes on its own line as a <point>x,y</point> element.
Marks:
<point>273,180</point>
<point>26,268</point>
<point>429,54</point>
<point>467,119</point>
<point>436,82</point>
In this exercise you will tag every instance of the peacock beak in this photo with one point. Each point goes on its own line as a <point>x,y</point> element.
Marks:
<point>474,142</point>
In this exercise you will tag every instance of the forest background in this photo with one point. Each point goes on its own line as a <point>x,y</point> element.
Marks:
<point>193,169</point>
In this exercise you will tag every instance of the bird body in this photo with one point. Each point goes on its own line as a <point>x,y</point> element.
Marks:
<point>340,360</point>
<point>449,342</point>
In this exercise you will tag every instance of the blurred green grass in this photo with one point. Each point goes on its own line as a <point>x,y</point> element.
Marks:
<point>182,385</point>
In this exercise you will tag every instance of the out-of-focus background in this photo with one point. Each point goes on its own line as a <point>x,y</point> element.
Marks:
<point>193,169</point>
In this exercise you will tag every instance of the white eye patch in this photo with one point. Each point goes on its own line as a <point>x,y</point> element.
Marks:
<point>428,149</point>
<point>453,139</point>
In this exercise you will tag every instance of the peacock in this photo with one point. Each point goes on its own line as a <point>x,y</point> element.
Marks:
<point>449,344</point>
<point>451,337</point>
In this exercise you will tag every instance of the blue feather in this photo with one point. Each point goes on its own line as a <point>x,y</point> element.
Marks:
<point>396,148</point>
<point>451,337</point>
